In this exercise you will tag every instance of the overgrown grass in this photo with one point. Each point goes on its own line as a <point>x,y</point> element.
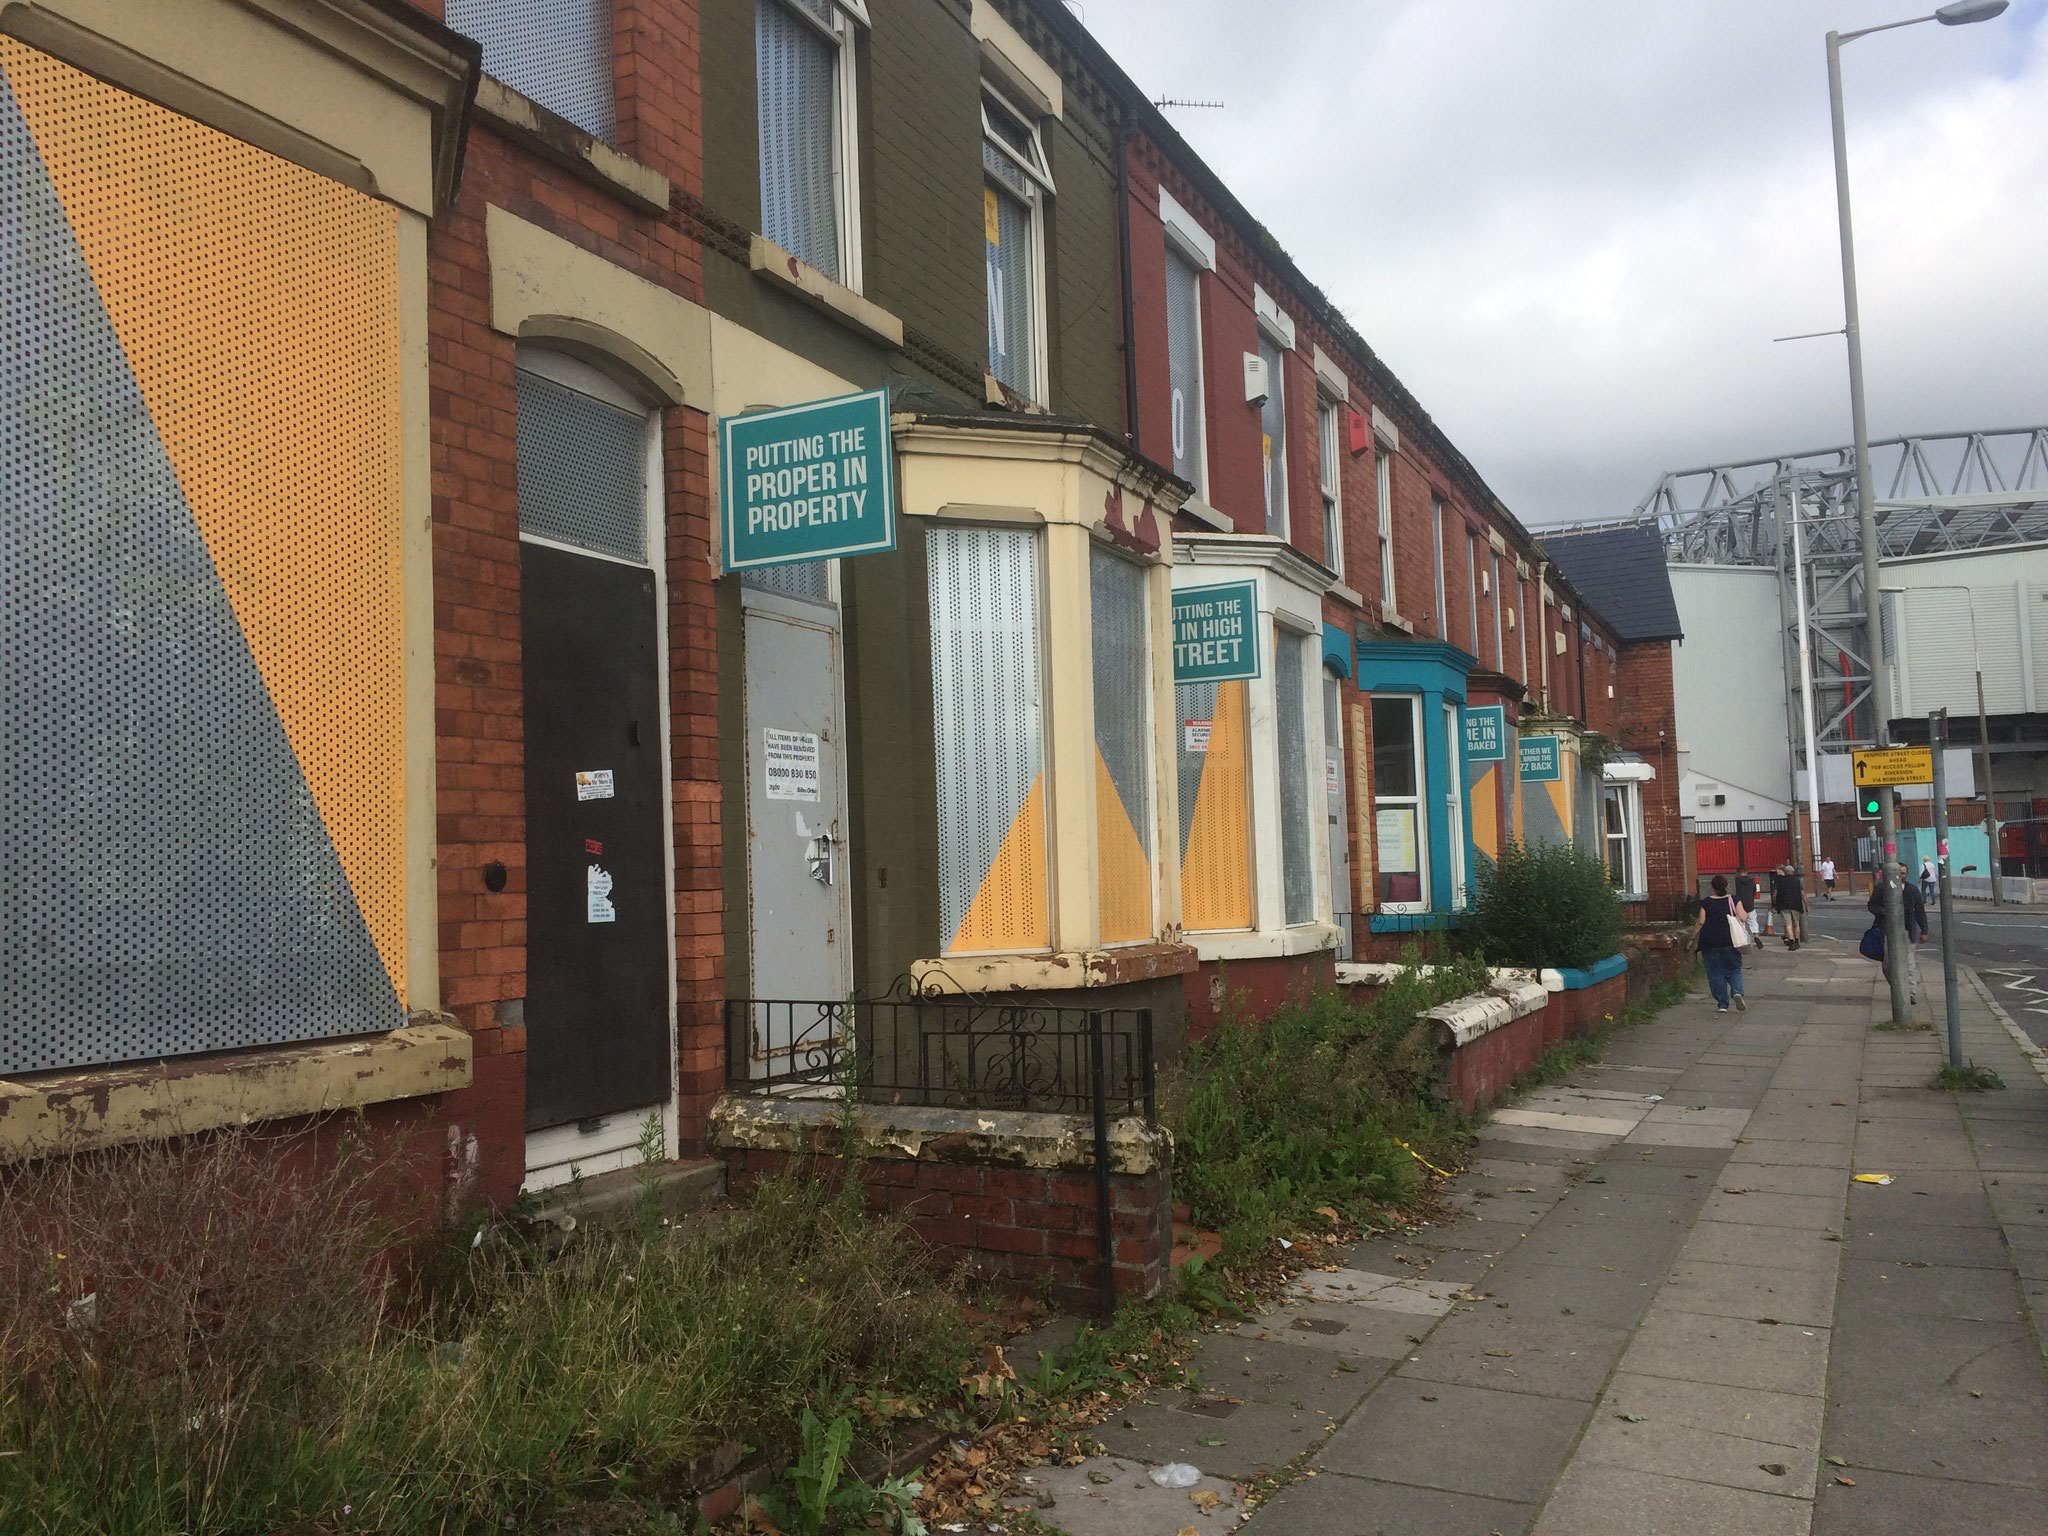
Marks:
<point>285,1392</point>
<point>1969,1078</point>
<point>1308,1107</point>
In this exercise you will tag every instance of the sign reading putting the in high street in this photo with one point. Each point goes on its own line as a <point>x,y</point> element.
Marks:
<point>1216,633</point>
<point>807,482</point>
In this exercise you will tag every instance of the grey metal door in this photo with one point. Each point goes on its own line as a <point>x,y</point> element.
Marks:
<point>799,944</point>
<point>1333,776</point>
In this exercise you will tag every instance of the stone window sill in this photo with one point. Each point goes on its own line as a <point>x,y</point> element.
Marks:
<point>560,141</point>
<point>1006,1138</point>
<point>55,1112</point>
<point>799,278</point>
<point>1267,944</point>
<point>1062,971</point>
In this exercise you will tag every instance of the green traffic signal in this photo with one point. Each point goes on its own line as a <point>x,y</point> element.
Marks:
<point>1869,808</point>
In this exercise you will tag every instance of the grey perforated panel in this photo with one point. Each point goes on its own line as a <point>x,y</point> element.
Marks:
<point>1123,684</point>
<point>582,470</point>
<point>1184,366</point>
<point>1290,716</point>
<point>795,70</point>
<point>985,701</point>
<point>555,52</point>
<point>168,884</point>
<point>809,579</point>
<point>1191,702</point>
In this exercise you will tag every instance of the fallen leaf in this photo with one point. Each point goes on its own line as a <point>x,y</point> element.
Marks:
<point>1837,1461</point>
<point>1210,1440</point>
<point>1775,1468</point>
<point>1188,1530</point>
<point>1502,1352</point>
<point>1205,1498</point>
<point>1427,1398</point>
<point>1099,1478</point>
<point>1329,1211</point>
<point>1846,1482</point>
<point>1630,1418</point>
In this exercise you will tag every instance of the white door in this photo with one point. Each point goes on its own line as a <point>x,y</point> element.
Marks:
<point>800,947</point>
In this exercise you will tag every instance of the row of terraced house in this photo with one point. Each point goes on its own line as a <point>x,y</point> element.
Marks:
<point>550,545</point>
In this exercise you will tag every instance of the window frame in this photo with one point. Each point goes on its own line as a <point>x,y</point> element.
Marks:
<point>1455,792</point>
<point>1628,795</point>
<point>1472,585</point>
<point>1330,449</point>
<point>1383,490</point>
<point>839,32</point>
<point>1500,662</point>
<point>1414,803</point>
<point>1436,525</point>
<point>1037,171</point>
<point>1198,460</point>
<point>1273,446</point>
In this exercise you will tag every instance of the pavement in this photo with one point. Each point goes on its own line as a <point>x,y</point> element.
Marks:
<point>1664,1308</point>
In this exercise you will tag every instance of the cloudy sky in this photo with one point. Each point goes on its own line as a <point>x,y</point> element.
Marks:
<point>1572,227</point>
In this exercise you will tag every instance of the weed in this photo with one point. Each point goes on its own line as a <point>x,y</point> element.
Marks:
<point>1911,1026</point>
<point>824,1498</point>
<point>1544,904</point>
<point>1970,1078</point>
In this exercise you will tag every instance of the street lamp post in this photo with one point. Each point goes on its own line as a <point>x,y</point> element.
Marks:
<point>1961,13</point>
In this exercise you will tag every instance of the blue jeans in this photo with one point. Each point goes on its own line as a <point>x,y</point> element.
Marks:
<point>1724,971</point>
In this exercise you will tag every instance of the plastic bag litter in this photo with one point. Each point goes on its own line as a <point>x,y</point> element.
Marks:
<point>1175,1474</point>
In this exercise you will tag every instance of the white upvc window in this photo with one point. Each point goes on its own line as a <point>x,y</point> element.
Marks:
<point>1273,435</point>
<point>1472,586</point>
<point>1400,829</point>
<point>1383,482</point>
<point>1016,182</point>
<point>1436,533</point>
<point>1330,441</point>
<point>1622,811</point>
<point>810,183</point>
<point>1454,800</point>
<point>1499,654</point>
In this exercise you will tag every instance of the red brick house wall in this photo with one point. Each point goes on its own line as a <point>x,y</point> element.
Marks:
<point>1643,694</point>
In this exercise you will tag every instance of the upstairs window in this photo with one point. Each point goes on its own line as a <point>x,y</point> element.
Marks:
<point>1472,587</point>
<point>1329,437</point>
<point>1184,368</point>
<point>1383,482</point>
<point>1016,182</point>
<point>1436,531</point>
<point>554,52</point>
<point>803,63</point>
<point>1273,436</point>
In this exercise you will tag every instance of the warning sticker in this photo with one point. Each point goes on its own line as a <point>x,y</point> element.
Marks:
<point>791,758</point>
<point>597,896</point>
<point>594,784</point>
<point>1197,735</point>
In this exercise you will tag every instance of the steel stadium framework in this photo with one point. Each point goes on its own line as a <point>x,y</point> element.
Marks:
<point>1948,492</point>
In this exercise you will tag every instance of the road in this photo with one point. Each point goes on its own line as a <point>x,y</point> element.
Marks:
<point>2007,947</point>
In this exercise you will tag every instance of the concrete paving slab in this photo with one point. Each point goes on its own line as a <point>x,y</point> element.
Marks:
<point>1552,1356</point>
<point>1795,1154</point>
<point>1734,1352</point>
<point>1402,1432</point>
<point>1285,1374</point>
<point>1908,1199</point>
<point>1593,1499</point>
<point>1923,1243</point>
<point>1510,1170</point>
<point>1337,1328</point>
<point>1944,1431</point>
<point>1333,1505</point>
<point>1782,1179</point>
<point>1885,1504</point>
<point>1729,1242</point>
<point>1128,1503</point>
<point>1668,1134</point>
<point>1609,1125</point>
<point>1699,1455</point>
<point>1797,1297</point>
<point>1495,1135</point>
<point>1589,1292</point>
<point>1397,1293</point>
<point>1785,1418</point>
<point>1244,1445</point>
<point>1814,1213</point>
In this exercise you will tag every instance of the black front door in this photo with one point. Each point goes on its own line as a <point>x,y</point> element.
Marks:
<point>597,1030</point>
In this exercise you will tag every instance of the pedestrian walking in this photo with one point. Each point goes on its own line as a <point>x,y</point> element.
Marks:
<point>1926,879</point>
<point>1915,915</point>
<point>1720,938</point>
<point>1788,903</point>
<point>1827,879</point>
<point>1745,897</point>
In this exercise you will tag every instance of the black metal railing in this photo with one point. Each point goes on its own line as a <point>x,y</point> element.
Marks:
<point>946,1049</point>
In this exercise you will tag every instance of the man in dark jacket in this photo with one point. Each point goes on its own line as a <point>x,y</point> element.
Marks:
<point>1788,902</point>
<point>1913,910</point>
<point>1745,893</point>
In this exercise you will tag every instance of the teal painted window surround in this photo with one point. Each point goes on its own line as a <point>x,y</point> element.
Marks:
<point>1437,672</point>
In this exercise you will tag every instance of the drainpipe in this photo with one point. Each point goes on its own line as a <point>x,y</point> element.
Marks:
<point>1123,225</point>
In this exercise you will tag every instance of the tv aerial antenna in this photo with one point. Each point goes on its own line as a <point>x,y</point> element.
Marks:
<point>1164,102</point>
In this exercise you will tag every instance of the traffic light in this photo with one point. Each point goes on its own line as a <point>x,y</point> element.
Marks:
<point>1868,805</point>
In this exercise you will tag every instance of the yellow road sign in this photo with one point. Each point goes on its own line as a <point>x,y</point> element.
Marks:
<point>1895,765</point>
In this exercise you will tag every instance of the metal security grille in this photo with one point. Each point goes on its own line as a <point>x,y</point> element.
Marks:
<point>1123,741</point>
<point>1290,716</point>
<point>582,470</point>
<point>202,714</point>
<point>986,727</point>
<point>555,52</point>
<point>796,70</point>
<point>809,579</point>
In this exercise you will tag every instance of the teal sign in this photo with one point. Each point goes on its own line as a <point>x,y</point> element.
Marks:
<point>1486,734</point>
<point>1216,633</point>
<point>807,482</point>
<point>1540,761</point>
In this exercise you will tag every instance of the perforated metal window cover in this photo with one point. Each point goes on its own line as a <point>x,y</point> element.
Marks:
<point>797,85</point>
<point>582,470</point>
<point>1184,366</point>
<point>555,52</point>
<point>1290,717</point>
<point>810,580</point>
<point>1122,669</point>
<point>985,720</point>
<point>202,716</point>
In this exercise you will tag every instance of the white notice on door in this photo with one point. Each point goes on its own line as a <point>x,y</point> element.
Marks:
<point>792,764</point>
<point>597,896</point>
<point>1333,783</point>
<point>594,784</point>
<point>1197,735</point>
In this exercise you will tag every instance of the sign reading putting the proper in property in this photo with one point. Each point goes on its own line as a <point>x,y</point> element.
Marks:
<point>1540,763</point>
<point>807,482</point>
<point>1216,633</point>
<point>1486,733</point>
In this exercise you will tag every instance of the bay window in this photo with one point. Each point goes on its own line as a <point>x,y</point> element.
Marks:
<point>803,60</point>
<point>1120,634</point>
<point>1016,182</point>
<point>1400,844</point>
<point>989,733</point>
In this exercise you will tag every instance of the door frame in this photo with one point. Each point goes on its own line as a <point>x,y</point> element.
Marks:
<point>620,1145</point>
<point>766,600</point>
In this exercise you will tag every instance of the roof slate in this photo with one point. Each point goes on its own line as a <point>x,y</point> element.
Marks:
<point>1621,570</point>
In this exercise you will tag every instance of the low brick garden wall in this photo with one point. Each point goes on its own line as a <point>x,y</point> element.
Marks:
<point>1010,1195</point>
